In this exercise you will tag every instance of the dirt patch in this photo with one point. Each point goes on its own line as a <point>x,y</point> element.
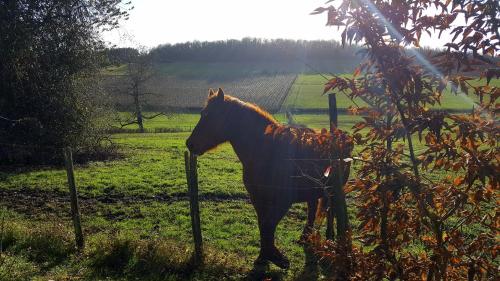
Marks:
<point>41,203</point>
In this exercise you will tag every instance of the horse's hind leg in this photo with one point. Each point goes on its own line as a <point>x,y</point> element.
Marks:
<point>269,215</point>
<point>312,206</point>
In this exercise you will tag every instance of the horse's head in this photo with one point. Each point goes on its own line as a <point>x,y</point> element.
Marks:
<point>212,128</point>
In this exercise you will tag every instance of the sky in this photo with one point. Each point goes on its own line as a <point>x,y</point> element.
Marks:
<point>155,22</point>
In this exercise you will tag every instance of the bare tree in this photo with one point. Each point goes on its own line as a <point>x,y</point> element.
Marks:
<point>139,71</point>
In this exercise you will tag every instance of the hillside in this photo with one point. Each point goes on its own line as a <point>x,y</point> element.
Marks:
<point>274,86</point>
<point>170,92</point>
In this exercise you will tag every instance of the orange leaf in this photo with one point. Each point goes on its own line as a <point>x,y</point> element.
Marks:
<point>357,71</point>
<point>458,181</point>
<point>269,130</point>
<point>330,85</point>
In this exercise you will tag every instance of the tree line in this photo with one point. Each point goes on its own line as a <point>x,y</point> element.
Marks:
<point>245,50</point>
<point>293,55</point>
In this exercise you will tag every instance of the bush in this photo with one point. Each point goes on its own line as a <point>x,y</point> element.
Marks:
<point>50,95</point>
<point>439,198</point>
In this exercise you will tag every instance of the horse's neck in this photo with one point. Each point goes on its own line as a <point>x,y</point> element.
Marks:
<point>248,139</point>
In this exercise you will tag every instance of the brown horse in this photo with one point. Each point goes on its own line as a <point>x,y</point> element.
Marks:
<point>281,164</point>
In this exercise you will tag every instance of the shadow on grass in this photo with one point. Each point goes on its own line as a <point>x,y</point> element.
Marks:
<point>126,257</point>
<point>310,272</point>
<point>130,256</point>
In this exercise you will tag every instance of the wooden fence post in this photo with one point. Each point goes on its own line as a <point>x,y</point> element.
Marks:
<point>192,181</point>
<point>75,209</point>
<point>333,111</point>
<point>338,204</point>
<point>332,106</point>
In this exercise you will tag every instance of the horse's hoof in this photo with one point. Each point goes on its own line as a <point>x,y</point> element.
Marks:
<point>280,260</point>
<point>261,262</point>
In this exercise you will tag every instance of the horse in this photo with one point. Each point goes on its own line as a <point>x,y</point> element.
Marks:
<point>282,164</point>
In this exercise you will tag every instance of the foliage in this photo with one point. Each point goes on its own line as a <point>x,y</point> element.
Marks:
<point>49,53</point>
<point>253,49</point>
<point>119,56</point>
<point>401,204</point>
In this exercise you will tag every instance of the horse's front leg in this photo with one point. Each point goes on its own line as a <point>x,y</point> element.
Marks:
<point>312,206</point>
<point>269,214</point>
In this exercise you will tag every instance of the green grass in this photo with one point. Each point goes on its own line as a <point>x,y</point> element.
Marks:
<point>182,121</point>
<point>144,193</point>
<point>306,93</point>
<point>187,121</point>
<point>141,198</point>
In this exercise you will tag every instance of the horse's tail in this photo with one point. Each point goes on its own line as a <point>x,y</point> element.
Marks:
<point>321,209</point>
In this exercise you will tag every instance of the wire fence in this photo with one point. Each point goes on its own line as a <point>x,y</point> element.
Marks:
<point>313,180</point>
<point>171,129</point>
<point>190,195</point>
<point>315,183</point>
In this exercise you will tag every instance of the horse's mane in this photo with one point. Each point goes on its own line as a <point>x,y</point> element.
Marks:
<point>246,105</point>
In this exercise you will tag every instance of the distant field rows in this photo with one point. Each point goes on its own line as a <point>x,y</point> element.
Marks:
<point>268,92</point>
<point>298,93</point>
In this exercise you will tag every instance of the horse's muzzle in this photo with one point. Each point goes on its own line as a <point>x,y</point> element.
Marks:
<point>191,147</point>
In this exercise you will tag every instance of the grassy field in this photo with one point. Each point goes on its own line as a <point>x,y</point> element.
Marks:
<point>304,94</point>
<point>307,89</point>
<point>142,197</point>
<point>135,214</point>
<point>187,121</point>
<point>135,209</point>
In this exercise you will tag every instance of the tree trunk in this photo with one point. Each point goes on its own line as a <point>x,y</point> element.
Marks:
<point>138,109</point>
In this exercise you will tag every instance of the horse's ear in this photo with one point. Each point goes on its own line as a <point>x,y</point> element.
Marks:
<point>210,92</point>
<point>220,94</point>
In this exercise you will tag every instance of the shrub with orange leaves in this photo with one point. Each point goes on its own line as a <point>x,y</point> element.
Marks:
<point>428,213</point>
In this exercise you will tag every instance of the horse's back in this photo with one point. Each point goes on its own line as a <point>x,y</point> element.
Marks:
<point>286,167</point>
